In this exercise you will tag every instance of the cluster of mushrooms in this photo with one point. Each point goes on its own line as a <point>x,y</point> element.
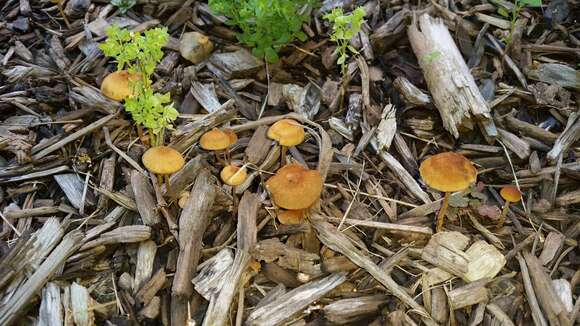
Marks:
<point>450,172</point>
<point>293,187</point>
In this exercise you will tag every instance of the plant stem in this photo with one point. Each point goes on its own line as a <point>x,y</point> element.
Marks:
<point>442,211</point>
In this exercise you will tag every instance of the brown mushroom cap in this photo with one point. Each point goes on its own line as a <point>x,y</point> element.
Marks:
<point>116,85</point>
<point>217,140</point>
<point>287,132</point>
<point>511,194</point>
<point>163,160</point>
<point>448,172</point>
<point>291,216</point>
<point>295,187</point>
<point>233,175</point>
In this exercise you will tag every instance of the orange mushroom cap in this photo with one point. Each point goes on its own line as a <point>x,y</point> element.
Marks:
<point>291,216</point>
<point>116,85</point>
<point>217,140</point>
<point>295,187</point>
<point>448,172</point>
<point>510,193</point>
<point>163,160</point>
<point>233,175</point>
<point>287,132</point>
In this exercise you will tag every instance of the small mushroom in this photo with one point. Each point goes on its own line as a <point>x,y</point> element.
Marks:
<point>295,187</point>
<point>163,161</point>
<point>447,172</point>
<point>288,133</point>
<point>233,175</point>
<point>116,85</point>
<point>291,216</point>
<point>510,194</point>
<point>218,140</point>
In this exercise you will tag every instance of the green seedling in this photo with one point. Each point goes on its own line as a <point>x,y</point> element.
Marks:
<point>514,14</point>
<point>140,53</point>
<point>266,25</point>
<point>344,27</point>
<point>123,5</point>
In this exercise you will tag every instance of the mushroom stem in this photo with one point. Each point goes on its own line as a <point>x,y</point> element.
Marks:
<point>503,214</point>
<point>442,211</point>
<point>219,158</point>
<point>168,187</point>
<point>159,179</point>
<point>283,155</point>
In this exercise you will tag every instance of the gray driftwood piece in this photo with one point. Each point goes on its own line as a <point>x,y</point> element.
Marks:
<point>145,260</point>
<point>350,310</point>
<point>82,305</point>
<point>568,137</point>
<point>206,96</point>
<point>337,241</point>
<point>50,312</point>
<point>72,137</point>
<point>211,274</point>
<point>184,177</point>
<point>237,64</point>
<point>411,93</point>
<point>289,304</point>
<point>515,143</point>
<point>193,221</point>
<point>219,305</point>
<point>69,244</point>
<point>450,82</point>
<point>123,234</point>
<point>144,198</point>
<point>73,187</point>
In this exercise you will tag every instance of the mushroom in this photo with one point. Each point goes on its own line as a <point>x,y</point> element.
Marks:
<point>233,175</point>
<point>288,133</point>
<point>511,194</point>
<point>295,187</point>
<point>447,172</point>
<point>116,85</point>
<point>218,140</point>
<point>291,216</point>
<point>163,161</point>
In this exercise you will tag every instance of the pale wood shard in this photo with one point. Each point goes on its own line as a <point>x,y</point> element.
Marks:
<point>350,310</point>
<point>192,224</point>
<point>51,310</point>
<point>568,137</point>
<point>69,244</point>
<point>151,287</point>
<point>452,87</point>
<point>145,260</point>
<point>209,279</point>
<point>272,295</point>
<point>72,186</point>
<point>144,198</point>
<point>291,303</point>
<point>468,295</point>
<point>123,234</point>
<point>537,315</point>
<point>412,95</point>
<point>445,250</point>
<point>485,261</point>
<point>205,95</point>
<point>219,305</point>
<point>387,128</point>
<point>81,304</point>
<point>237,64</point>
<point>516,144</point>
<point>337,241</point>
<point>552,245</point>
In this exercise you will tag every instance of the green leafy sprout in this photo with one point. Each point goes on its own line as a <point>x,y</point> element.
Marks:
<point>123,5</point>
<point>344,27</point>
<point>266,25</point>
<point>515,12</point>
<point>139,53</point>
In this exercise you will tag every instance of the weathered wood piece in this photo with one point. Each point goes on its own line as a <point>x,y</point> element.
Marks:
<point>350,310</point>
<point>337,241</point>
<point>209,279</point>
<point>289,304</point>
<point>568,137</point>
<point>50,312</point>
<point>453,89</point>
<point>123,234</point>
<point>144,198</point>
<point>69,244</point>
<point>145,259</point>
<point>73,187</point>
<point>82,305</point>
<point>192,224</point>
<point>219,305</point>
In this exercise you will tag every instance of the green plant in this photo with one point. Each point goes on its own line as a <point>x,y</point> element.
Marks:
<point>139,54</point>
<point>515,12</point>
<point>344,27</point>
<point>266,25</point>
<point>123,5</point>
